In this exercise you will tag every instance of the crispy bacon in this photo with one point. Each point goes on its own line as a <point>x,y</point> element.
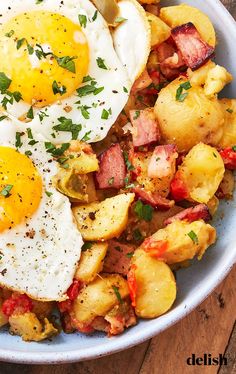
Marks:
<point>170,60</point>
<point>178,188</point>
<point>153,8</point>
<point>145,127</point>
<point>143,81</point>
<point>163,161</point>
<point>118,257</point>
<point>132,284</point>
<point>192,214</point>
<point>155,248</point>
<point>17,304</point>
<point>112,168</point>
<point>153,199</point>
<point>229,157</point>
<point>195,51</point>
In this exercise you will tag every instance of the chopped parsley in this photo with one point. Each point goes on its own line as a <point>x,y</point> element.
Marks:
<point>117,293</point>
<point>95,16</point>
<point>234,148</point>
<point>130,254</point>
<point>67,63</point>
<point>106,113</point>
<point>86,136</point>
<point>87,78</point>
<point>39,1</point>
<point>193,236</point>
<point>180,96</point>
<point>84,111</point>
<point>10,97</point>
<point>28,153</point>
<point>229,110</point>
<point>18,142</point>
<point>125,89</point>
<point>10,33</point>
<point>137,114</point>
<point>56,151</point>
<point>4,82</point>
<point>111,181</point>
<point>58,89</point>
<point>120,19</point>
<point>143,211</point>
<point>49,194</point>
<point>42,115</point>
<point>2,118</point>
<point>29,133</point>
<point>101,63</point>
<point>86,246</point>
<point>30,113</point>
<point>30,49</point>
<point>6,190</point>
<point>82,20</point>
<point>137,235</point>
<point>20,42</point>
<point>89,89</point>
<point>66,124</point>
<point>127,161</point>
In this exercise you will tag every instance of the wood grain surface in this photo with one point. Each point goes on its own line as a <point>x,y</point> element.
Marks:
<point>208,329</point>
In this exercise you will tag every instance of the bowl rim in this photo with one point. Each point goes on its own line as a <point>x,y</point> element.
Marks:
<point>89,353</point>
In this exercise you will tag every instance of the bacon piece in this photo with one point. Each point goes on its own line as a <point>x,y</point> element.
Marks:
<point>17,304</point>
<point>143,81</point>
<point>145,127</point>
<point>163,161</point>
<point>132,284</point>
<point>153,199</point>
<point>112,168</point>
<point>195,51</point>
<point>166,53</point>
<point>229,157</point>
<point>153,8</point>
<point>118,257</point>
<point>192,214</point>
<point>178,188</point>
<point>155,248</point>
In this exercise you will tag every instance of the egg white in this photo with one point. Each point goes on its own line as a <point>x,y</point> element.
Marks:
<point>43,266</point>
<point>115,79</point>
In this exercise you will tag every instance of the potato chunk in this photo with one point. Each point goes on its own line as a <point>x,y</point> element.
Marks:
<point>30,328</point>
<point>156,287</point>
<point>202,172</point>
<point>229,134</point>
<point>184,241</point>
<point>103,220</point>
<point>97,298</point>
<point>180,14</point>
<point>186,123</point>
<point>160,31</point>
<point>91,262</point>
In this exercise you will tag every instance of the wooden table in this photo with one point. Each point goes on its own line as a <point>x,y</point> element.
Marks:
<point>209,329</point>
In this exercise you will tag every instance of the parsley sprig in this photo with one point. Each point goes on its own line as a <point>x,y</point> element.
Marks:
<point>180,95</point>
<point>66,125</point>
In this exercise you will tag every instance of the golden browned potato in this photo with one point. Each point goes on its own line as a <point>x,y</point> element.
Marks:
<point>213,205</point>
<point>195,119</point>
<point>156,286</point>
<point>227,185</point>
<point>103,220</point>
<point>180,14</point>
<point>202,172</point>
<point>216,80</point>
<point>229,135</point>
<point>91,262</point>
<point>160,31</point>
<point>30,328</point>
<point>198,77</point>
<point>184,240</point>
<point>100,296</point>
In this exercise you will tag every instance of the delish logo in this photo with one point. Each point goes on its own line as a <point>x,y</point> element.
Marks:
<point>207,360</point>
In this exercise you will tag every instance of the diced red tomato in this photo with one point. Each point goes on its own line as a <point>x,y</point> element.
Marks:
<point>65,306</point>
<point>153,199</point>
<point>117,259</point>
<point>145,127</point>
<point>200,211</point>
<point>132,284</point>
<point>112,170</point>
<point>17,304</point>
<point>155,248</point>
<point>143,81</point>
<point>195,51</point>
<point>163,161</point>
<point>179,190</point>
<point>74,289</point>
<point>229,157</point>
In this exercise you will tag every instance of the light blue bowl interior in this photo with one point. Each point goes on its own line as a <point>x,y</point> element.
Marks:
<point>194,283</point>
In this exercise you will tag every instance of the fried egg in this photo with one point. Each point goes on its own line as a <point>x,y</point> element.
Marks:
<point>40,244</point>
<point>58,60</point>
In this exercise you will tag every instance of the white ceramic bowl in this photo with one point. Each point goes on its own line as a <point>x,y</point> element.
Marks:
<point>194,283</point>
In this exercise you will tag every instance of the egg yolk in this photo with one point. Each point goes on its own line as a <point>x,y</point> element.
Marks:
<point>20,188</point>
<point>45,55</point>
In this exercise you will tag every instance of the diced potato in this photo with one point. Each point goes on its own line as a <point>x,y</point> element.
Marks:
<point>199,76</point>
<point>3,318</point>
<point>78,187</point>
<point>185,240</point>
<point>180,14</point>
<point>156,286</point>
<point>213,205</point>
<point>202,172</point>
<point>30,328</point>
<point>186,123</point>
<point>141,161</point>
<point>91,262</point>
<point>153,62</point>
<point>81,158</point>
<point>160,31</point>
<point>229,134</point>
<point>227,185</point>
<point>216,80</point>
<point>103,220</point>
<point>97,298</point>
